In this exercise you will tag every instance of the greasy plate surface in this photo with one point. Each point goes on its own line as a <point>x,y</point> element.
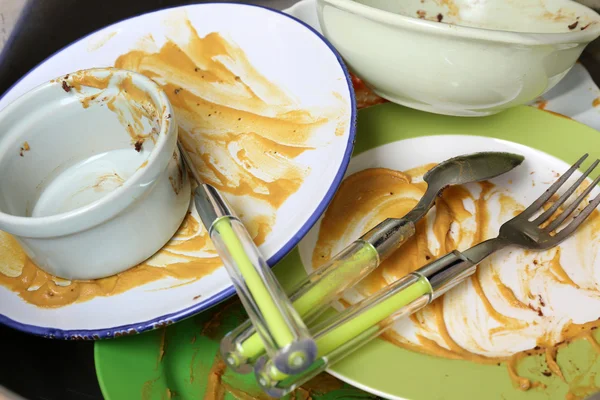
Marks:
<point>525,126</point>
<point>381,367</point>
<point>287,61</point>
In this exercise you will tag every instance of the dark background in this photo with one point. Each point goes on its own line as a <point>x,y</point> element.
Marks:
<point>44,369</point>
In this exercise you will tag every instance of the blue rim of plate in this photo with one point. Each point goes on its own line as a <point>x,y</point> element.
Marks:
<point>168,319</point>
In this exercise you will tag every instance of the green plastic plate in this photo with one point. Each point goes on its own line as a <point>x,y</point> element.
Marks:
<point>180,361</point>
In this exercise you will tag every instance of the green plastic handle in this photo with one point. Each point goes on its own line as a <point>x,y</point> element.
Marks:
<point>312,295</point>
<point>223,232</point>
<point>349,330</point>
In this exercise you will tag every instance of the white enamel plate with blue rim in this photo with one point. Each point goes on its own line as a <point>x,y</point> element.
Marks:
<point>284,50</point>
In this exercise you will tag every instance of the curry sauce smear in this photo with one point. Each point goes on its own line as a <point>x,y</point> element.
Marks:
<point>372,195</point>
<point>19,274</point>
<point>243,133</point>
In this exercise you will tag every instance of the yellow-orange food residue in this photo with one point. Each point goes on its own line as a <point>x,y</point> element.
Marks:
<point>220,382</point>
<point>19,274</point>
<point>449,327</point>
<point>217,388</point>
<point>364,96</point>
<point>24,148</point>
<point>596,102</point>
<point>558,114</point>
<point>541,103</point>
<point>133,106</point>
<point>453,9</point>
<point>243,133</point>
<point>96,44</point>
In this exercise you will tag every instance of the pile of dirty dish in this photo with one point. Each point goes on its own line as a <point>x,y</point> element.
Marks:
<point>101,166</point>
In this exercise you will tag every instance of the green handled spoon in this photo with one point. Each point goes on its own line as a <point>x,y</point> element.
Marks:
<point>279,327</point>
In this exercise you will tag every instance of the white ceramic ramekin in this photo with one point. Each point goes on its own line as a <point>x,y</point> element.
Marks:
<point>481,58</point>
<point>91,182</point>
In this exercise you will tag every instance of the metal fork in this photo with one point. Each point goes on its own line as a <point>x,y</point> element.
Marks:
<point>526,230</point>
<point>345,332</point>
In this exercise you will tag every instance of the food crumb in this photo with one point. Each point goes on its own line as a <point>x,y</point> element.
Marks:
<point>546,373</point>
<point>421,13</point>
<point>440,17</point>
<point>66,87</point>
<point>178,90</point>
<point>138,145</point>
<point>541,103</point>
<point>25,147</point>
<point>510,181</point>
<point>573,25</point>
<point>596,102</point>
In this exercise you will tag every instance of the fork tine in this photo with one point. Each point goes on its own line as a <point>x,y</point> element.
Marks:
<point>573,206</point>
<point>529,211</point>
<point>549,212</point>
<point>578,220</point>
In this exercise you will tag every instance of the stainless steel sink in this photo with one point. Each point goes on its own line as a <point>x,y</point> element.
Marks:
<point>10,11</point>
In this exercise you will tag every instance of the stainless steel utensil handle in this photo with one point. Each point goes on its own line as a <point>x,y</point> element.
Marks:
<point>242,347</point>
<point>356,326</point>
<point>280,328</point>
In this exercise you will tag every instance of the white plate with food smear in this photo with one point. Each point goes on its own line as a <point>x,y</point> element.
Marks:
<point>266,108</point>
<point>519,304</point>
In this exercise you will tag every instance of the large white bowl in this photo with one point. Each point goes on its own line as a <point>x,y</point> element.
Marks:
<point>75,193</point>
<point>291,56</point>
<point>483,57</point>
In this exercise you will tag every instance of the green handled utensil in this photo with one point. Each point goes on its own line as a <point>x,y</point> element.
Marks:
<point>364,321</point>
<point>242,346</point>
<point>349,330</point>
<point>280,330</point>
